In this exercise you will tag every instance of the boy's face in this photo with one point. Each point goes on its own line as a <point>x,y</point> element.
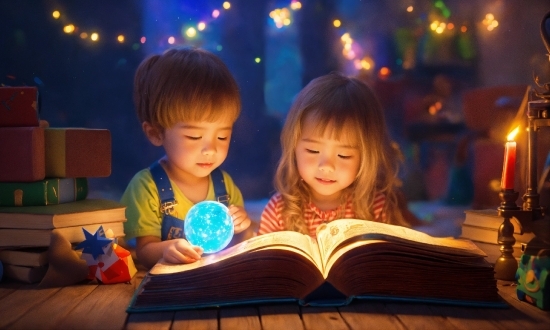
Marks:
<point>328,165</point>
<point>197,148</point>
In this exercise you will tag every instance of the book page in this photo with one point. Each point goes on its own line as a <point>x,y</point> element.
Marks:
<point>333,234</point>
<point>288,240</point>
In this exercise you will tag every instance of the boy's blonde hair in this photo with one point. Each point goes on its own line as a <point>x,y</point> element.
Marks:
<point>182,85</point>
<point>349,107</point>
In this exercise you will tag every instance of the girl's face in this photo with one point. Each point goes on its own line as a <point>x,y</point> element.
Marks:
<point>328,165</point>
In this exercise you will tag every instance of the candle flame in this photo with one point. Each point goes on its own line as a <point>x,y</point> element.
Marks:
<point>513,134</point>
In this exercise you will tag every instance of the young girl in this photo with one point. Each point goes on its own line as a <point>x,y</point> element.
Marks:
<point>337,160</point>
<point>186,101</point>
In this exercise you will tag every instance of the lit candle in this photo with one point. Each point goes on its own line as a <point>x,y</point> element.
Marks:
<point>509,166</point>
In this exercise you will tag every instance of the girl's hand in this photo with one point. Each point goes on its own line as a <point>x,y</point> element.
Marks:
<point>241,221</point>
<point>180,251</point>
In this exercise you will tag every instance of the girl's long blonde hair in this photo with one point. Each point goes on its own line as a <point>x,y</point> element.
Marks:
<point>348,106</point>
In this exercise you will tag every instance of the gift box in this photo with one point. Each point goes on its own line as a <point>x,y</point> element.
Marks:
<point>22,154</point>
<point>18,106</point>
<point>77,152</point>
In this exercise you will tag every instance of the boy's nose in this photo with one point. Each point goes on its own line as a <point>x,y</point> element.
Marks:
<point>208,149</point>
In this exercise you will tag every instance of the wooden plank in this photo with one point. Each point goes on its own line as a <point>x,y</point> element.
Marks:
<point>202,319</point>
<point>467,317</point>
<point>508,293</point>
<point>281,316</point>
<point>52,312</point>
<point>375,314</point>
<point>322,318</point>
<point>239,318</point>
<point>8,286</point>
<point>418,316</point>
<point>150,321</point>
<point>104,308</point>
<point>21,302</point>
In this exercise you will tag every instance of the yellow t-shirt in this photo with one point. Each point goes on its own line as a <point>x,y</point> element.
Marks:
<point>143,204</point>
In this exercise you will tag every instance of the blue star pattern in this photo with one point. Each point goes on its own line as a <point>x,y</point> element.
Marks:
<point>208,225</point>
<point>93,244</point>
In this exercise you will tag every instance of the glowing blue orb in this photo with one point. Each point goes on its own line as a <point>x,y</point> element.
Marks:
<point>208,225</point>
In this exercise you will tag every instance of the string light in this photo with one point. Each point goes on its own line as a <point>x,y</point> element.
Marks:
<point>94,36</point>
<point>226,5</point>
<point>56,14</point>
<point>120,38</point>
<point>490,22</point>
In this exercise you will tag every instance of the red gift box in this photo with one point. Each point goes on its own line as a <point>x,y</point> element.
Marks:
<point>19,107</point>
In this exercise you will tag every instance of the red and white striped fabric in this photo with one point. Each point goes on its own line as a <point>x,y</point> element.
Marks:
<point>272,219</point>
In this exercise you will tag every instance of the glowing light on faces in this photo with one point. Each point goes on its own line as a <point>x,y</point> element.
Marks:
<point>208,224</point>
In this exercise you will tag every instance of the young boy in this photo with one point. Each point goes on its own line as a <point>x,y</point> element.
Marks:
<point>186,101</point>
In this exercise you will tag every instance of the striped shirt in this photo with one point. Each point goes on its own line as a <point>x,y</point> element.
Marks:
<point>272,219</point>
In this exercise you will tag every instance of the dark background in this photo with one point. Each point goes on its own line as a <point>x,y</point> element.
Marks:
<point>89,84</point>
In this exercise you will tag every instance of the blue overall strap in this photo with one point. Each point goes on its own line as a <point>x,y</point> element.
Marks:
<point>220,193</point>
<point>166,194</point>
<point>171,227</point>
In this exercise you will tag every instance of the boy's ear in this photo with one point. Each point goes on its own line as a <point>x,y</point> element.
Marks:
<point>153,133</point>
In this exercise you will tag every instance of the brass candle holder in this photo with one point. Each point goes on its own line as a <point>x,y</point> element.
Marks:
<point>532,216</point>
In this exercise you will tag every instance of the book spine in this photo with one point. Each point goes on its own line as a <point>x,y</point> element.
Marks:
<point>19,106</point>
<point>45,192</point>
<point>22,154</point>
<point>77,152</point>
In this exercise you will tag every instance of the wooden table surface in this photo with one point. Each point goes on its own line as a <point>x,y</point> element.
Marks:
<point>92,306</point>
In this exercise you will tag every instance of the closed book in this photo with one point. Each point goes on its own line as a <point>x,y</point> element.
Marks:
<point>18,106</point>
<point>29,257</point>
<point>44,192</point>
<point>487,235</point>
<point>84,212</point>
<point>22,154</point>
<point>488,218</point>
<point>13,238</point>
<point>25,274</point>
<point>77,152</point>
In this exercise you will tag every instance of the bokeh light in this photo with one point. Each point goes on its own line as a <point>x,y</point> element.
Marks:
<point>94,36</point>
<point>208,224</point>
<point>56,14</point>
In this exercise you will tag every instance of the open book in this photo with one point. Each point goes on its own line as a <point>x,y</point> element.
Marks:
<point>349,259</point>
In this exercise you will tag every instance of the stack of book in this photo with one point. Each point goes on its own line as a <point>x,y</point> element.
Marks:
<point>481,226</point>
<point>44,184</point>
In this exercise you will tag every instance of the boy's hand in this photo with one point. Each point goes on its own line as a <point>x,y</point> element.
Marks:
<point>180,251</point>
<point>241,221</point>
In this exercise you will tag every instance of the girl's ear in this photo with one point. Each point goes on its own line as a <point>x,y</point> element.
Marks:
<point>153,133</point>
